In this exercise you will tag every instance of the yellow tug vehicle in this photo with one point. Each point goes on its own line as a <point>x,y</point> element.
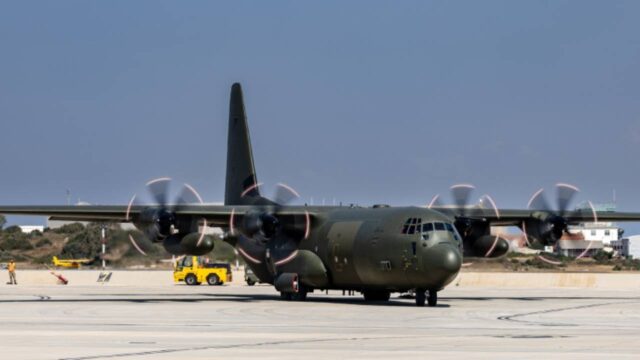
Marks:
<point>195,270</point>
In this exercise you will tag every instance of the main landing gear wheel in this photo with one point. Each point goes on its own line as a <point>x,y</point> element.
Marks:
<point>421,297</point>
<point>376,295</point>
<point>433,298</point>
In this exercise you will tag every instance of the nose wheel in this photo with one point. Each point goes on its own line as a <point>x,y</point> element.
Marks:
<point>429,297</point>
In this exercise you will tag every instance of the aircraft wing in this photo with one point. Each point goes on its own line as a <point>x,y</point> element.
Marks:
<point>215,215</point>
<point>507,217</point>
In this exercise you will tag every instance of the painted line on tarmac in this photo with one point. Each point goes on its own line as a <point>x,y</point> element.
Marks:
<point>514,317</point>
<point>235,346</point>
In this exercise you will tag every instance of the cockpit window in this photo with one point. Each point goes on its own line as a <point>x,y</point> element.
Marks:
<point>449,227</point>
<point>412,226</point>
<point>427,227</point>
<point>439,226</point>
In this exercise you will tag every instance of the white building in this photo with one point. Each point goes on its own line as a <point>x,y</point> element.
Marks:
<point>634,246</point>
<point>605,232</point>
<point>28,229</point>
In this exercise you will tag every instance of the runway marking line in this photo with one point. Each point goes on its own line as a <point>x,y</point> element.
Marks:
<point>235,346</point>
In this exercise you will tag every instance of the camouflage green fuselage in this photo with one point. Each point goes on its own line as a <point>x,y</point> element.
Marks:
<point>368,248</point>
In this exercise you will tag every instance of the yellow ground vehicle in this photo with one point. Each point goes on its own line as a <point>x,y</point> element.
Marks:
<point>194,270</point>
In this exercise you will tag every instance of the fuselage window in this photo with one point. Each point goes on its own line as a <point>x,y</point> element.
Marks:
<point>439,226</point>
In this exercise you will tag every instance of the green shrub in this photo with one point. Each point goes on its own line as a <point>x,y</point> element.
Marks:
<point>69,229</point>
<point>43,242</point>
<point>16,243</point>
<point>602,257</point>
<point>13,229</point>
<point>85,244</point>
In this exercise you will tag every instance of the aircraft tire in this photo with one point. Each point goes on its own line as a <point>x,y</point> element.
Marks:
<point>376,295</point>
<point>251,282</point>
<point>432,300</point>
<point>301,295</point>
<point>421,297</point>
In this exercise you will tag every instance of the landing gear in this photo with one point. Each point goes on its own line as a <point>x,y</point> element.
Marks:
<point>433,298</point>
<point>376,295</point>
<point>421,297</point>
<point>301,295</point>
<point>426,296</point>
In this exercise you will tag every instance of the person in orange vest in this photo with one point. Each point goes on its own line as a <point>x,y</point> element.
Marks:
<point>12,273</point>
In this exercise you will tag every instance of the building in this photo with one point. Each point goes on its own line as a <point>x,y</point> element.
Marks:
<point>28,229</point>
<point>578,248</point>
<point>621,247</point>
<point>634,246</point>
<point>604,232</point>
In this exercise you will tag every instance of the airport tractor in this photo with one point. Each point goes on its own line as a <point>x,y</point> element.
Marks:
<point>194,270</point>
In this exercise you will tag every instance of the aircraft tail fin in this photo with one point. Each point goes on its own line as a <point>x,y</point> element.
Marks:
<point>241,182</point>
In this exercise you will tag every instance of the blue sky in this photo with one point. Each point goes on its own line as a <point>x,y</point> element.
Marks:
<point>361,101</point>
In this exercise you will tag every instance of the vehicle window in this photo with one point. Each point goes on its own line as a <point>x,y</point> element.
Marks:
<point>427,227</point>
<point>439,226</point>
<point>186,262</point>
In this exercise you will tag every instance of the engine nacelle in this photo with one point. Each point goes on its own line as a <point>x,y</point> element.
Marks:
<point>188,244</point>
<point>155,223</point>
<point>544,229</point>
<point>490,246</point>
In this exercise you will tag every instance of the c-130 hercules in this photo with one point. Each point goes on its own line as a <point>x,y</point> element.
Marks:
<point>298,249</point>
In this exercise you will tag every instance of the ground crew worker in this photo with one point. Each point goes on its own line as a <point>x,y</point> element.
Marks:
<point>12,273</point>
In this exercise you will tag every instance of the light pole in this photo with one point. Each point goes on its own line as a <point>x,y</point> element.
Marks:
<point>103,229</point>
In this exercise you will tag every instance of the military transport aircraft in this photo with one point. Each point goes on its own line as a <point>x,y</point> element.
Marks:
<point>376,250</point>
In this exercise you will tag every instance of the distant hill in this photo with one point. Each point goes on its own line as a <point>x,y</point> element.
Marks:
<point>75,241</point>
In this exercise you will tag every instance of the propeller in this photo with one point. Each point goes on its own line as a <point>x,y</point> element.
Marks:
<point>264,220</point>
<point>160,220</point>
<point>549,224</point>
<point>268,234</point>
<point>470,222</point>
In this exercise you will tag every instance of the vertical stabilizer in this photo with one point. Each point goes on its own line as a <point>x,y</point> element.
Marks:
<point>241,173</point>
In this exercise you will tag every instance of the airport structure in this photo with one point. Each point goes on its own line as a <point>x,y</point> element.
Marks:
<point>587,238</point>
<point>28,229</point>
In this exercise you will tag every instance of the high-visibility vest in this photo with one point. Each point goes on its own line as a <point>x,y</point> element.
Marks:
<point>12,267</point>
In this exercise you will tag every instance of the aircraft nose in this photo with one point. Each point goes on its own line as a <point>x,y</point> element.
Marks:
<point>448,258</point>
<point>441,264</point>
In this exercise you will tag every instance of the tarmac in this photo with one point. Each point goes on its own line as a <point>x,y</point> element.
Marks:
<point>160,320</point>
